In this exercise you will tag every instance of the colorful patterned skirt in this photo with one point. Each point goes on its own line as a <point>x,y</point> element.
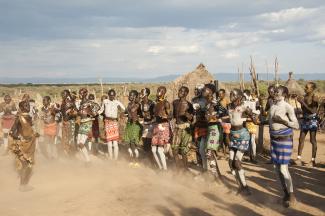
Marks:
<point>111,130</point>
<point>281,145</point>
<point>239,139</point>
<point>85,128</point>
<point>161,134</point>
<point>213,138</point>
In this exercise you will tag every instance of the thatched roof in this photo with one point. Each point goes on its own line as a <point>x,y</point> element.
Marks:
<point>199,76</point>
<point>293,86</point>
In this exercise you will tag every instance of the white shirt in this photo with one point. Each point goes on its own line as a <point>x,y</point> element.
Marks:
<point>110,108</point>
<point>252,105</point>
<point>286,112</point>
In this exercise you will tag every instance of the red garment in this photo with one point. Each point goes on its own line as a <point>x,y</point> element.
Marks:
<point>111,130</point>
<point>7,121</point>
<point>50,129</point>
<point>161,134</point>
<point>200,132</point>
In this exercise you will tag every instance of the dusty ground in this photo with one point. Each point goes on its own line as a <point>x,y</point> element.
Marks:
<point>67,187</point>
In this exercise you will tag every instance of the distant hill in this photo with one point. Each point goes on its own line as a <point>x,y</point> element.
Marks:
<point>225,77</point>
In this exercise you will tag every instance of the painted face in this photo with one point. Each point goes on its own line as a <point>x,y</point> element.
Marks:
<point>309,88</point>
<point>235,96</point>
<point>196,92</point>
<point>91,97</point>
<point>206,92</point>
<point>46,102</point>
<point>24,106</point>
<point>132,96</point>
<point>26,97</point>
<point>182,93</point>
<point>83,93</point>
<point>221,94</point>
<point>143,93</point>
<point>64,94</point>
<point>278,93</point>
<point>161,92</point>
<point>111,95</point>
<point>7,99</point>
<point>271,91</point>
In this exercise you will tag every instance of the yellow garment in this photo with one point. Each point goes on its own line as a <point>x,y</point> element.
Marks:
<point>251,127</point>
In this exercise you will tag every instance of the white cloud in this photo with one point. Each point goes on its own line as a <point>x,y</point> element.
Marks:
<point>230,55</point>
<point>155,49</point>
<point>240,39</point>
<point>191,49</point>
<point>121,45</point>
<point>289,15</point>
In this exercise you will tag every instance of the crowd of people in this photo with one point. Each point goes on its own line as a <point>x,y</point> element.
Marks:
<point>159,129</point>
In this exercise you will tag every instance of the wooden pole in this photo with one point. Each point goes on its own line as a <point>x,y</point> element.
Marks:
<point>267,73</point>
<point>276,71</point>
<point>101,86</point>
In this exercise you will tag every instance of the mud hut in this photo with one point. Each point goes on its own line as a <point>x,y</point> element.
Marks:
<point>199,76</point>
<point>293,86</point>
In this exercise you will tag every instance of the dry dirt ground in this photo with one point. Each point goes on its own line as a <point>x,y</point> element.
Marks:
<point>67,187</point>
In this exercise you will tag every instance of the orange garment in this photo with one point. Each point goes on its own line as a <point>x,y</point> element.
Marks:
<point>50,129</point>
<point>111,130</point>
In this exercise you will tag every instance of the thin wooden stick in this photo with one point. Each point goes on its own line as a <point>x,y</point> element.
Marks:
<point>276,71</point>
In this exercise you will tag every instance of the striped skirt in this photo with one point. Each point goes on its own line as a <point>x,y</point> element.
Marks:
<point>281,145</point>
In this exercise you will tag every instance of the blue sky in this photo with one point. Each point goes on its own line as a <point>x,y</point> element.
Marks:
<point>146,38</point>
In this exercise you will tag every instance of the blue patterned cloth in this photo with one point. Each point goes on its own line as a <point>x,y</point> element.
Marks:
<point>281,145</point>
<point>309,122</point>
<point>242,141</point>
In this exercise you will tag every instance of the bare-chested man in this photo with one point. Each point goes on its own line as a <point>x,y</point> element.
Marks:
<point>161,132</point>
<point>133,127</point>
<point>147,108</point>
<point>86,112</point>
<point>213,137</point>
<point>110,108</point>
<point>48,115</point>
<point>282,120</point>
<point>8,111</point>
<point>69,113</point>
<point>309,105</point>
<point>239,138</point>
<point>200,124</point>
<point>223,103</point>
<point>94,137</point>
<point>182,138</point>
<point>23,146</point>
